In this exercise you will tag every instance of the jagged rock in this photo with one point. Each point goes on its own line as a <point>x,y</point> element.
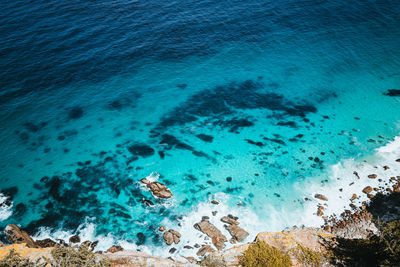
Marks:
<point>229,220</point>
<point>372,176</point>
<point>168,237</point>
<point>18,236</point>
<point>218,239</point>
<point>204,249</point>
<point>354,196</point>
<point>356,174</point>
<point>114,249</point>
<point>45,243</point>
<point>74,239</point>
<point>172,250</point>
<point>321,197</point>
<point>367,190</point>
<point>162,228</point>
<point>157,189</point>
<point>238,234</point>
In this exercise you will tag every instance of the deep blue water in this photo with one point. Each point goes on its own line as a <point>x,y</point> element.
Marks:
<point>243,101</point>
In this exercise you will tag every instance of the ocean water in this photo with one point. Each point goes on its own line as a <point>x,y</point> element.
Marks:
<point>256,104</point>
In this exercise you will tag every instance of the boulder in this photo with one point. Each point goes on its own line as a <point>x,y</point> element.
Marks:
<point>157,189</point>
<point>238,234</point>
<point>372,176</point>
<point>218,239</point>
<point>18,236</point>
<point>321,197</point>
<point>162,228</point>
<point>114,249</point>
<point>74,239</point>
<point>168,237</point>
<point>367,190</point>
<point>386,167</point>
<point>215,202</point>
<point>354,196</point>
<point>176,233</point>
<point>204,249</point>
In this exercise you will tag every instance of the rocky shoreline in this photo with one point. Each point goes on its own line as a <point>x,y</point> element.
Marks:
<point>357,222</point>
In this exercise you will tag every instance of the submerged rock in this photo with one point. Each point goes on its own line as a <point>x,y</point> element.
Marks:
<point>218,239</point>
<point>17,236</point>
<point>158,189</point>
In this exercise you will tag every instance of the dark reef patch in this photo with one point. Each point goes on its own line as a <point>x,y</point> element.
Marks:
<point>228,99</point>
<point>141,150</point>
<point>205,137</point>
<point>75,113</point>
<point>392,92</point>
<point>259,144</point>
<point>234,124</point>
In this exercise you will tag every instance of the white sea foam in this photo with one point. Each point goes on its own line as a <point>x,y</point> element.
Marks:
<point>87,231</point>
<point>5,208</point>
<point>342,183</point>
<point>190,236</point>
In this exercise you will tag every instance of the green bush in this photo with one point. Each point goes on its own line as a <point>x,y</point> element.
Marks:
<point>76,257</point>
<point>260,254</point>
<point>61,257</point>
<point>307,256</point>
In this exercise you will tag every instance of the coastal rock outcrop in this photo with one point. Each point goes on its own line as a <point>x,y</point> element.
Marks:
<point>17,236</point>
<point>218,239</point>
<point>157,189</point>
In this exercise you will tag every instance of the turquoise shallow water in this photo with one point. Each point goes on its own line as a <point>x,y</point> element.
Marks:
<point>250,122</point>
